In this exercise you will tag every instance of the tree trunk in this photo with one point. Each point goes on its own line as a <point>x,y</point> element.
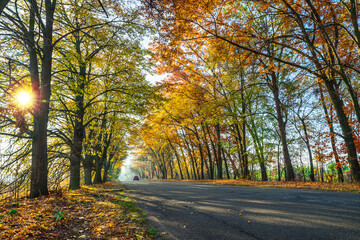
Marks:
<point>290,175</point>
<point>202,161</point>
<point>171,170</point>
<point>88,162</point>
<point>332,137</point>
<point>233,165</point>
<point>244,153</point>
<point>39,158</point>
<point>241,154</point>
<point>99,160</point>
<point>258,146</point>
<point>186,165</point>
<point>107,168</point>
<point>164,168</point>
<point>211,169</point>
<point>201,153</point>
<point>177,159</point>
<point>243,128</point>
<point>306,138</point>
<point>77,145</point>
<point>213,148</point>
<point>226,165</point>
<point>189,150</point>
<point>346,130</point>
<point>219,159</point>
<point>278,163</point>
<point>336,155</point>
<point>98,168</point>
<point>79,129</point>
<point>3,4</point>
<point>39,171</point>
<point>88,165</point>
<point>264,176</point>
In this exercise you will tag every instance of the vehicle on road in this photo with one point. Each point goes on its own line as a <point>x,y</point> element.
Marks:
<point>136,178</point>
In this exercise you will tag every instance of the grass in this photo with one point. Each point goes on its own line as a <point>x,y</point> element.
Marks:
<point>153,231</point>
<point>101,211</point>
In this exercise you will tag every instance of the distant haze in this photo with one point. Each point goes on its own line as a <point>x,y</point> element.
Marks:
<point>126,173</point>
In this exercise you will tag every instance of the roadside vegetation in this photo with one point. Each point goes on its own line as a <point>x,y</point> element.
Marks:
<point>338,187</point>
<point>102,211</point>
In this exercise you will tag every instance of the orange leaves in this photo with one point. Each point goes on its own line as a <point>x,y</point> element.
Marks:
<point>92,213</point>
<point>28,220</point>
<point>338,187</point>
<point>213,51</point>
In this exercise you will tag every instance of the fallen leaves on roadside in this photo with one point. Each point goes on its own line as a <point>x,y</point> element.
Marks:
<point>91,213</point>
<point>338,187</point>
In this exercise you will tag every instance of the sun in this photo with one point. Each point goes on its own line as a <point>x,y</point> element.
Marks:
<point>24,98</point>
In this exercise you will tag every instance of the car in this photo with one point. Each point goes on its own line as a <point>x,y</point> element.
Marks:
<point>136,178</point>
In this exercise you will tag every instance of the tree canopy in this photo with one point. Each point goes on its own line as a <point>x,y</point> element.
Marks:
<point>265,90</point>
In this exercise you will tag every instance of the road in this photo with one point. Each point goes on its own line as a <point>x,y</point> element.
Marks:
<point>181,210</point>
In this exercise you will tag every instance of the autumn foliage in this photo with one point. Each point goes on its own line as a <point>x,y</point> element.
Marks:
<point>83,67</point>
<point>88,213</point>
<point>252,86</point>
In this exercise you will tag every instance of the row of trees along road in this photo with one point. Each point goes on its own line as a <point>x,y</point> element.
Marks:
<point>250,85</point>
<point>83,63</point>
<point>247,80</point>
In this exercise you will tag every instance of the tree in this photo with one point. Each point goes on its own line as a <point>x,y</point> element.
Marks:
<point>30,25</point>
<point>3,4</point>
<point>304,39</point>
<point>41,85</point>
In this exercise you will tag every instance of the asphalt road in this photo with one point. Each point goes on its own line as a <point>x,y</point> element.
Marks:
<point>182,210</point>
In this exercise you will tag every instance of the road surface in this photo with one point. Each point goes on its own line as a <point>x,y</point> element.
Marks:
<point>181,210</point>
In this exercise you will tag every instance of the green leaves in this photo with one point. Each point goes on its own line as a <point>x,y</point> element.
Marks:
<point>58,215</point>
<point>12,211</point>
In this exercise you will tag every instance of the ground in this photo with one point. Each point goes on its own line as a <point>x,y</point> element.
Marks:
<point>337,187</point>
<point>190,210</point>
<point>101,211</point>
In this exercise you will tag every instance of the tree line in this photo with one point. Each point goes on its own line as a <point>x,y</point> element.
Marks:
<point>85,66</point>
<point>253,85</point>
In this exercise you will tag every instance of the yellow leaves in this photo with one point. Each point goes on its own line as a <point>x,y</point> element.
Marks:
<point>339,187</point>
<point>37,216</point>
<point>44,227</point>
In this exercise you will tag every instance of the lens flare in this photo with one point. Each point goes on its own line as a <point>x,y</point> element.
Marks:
<point>24,98</point>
